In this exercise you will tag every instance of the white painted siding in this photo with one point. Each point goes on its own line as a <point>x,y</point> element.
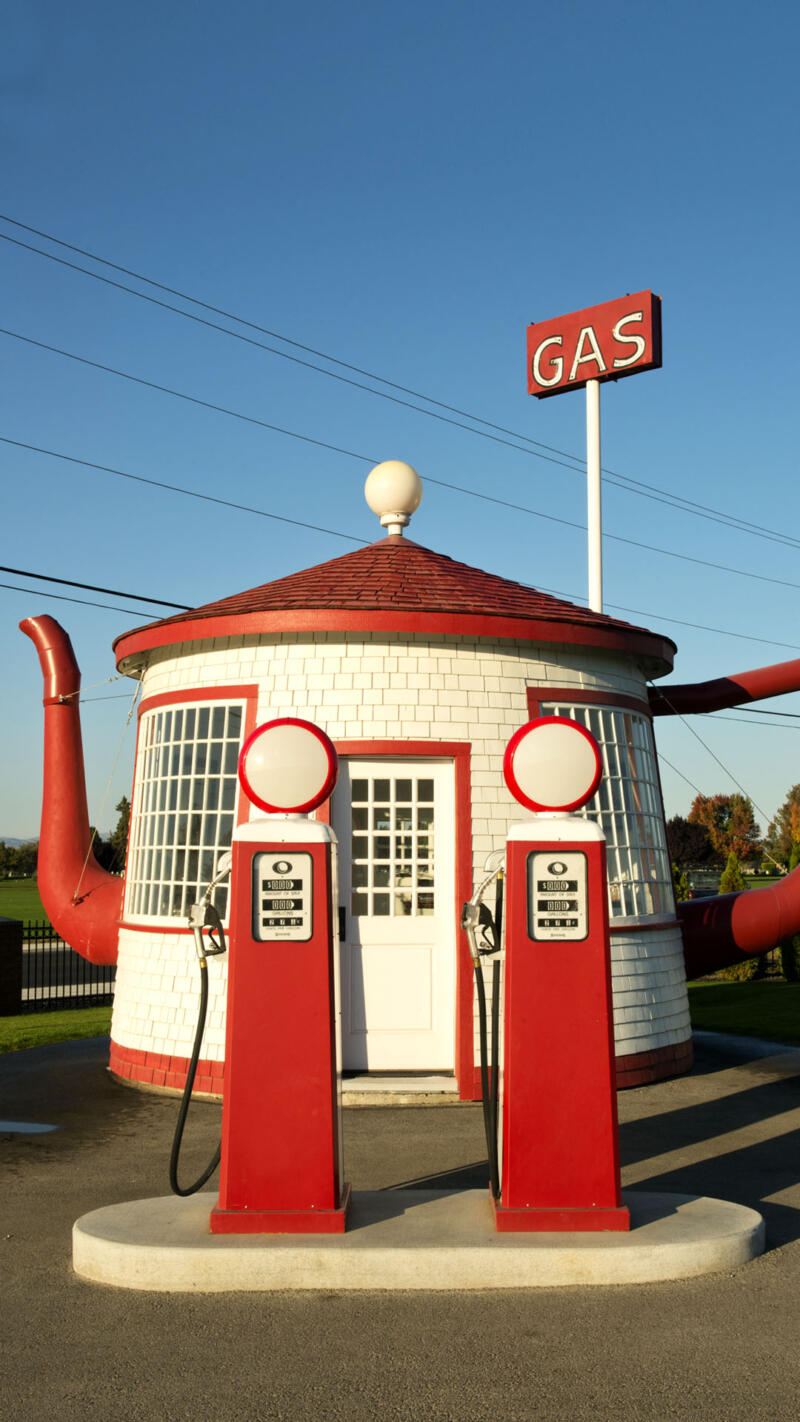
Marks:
<point>380,687</point>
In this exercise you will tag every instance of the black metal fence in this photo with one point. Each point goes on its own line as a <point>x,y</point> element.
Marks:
<point>54,976</point>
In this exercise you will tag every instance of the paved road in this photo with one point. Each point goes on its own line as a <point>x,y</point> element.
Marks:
<point>722,1347</point>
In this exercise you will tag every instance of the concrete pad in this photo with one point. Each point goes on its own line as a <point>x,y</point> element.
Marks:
<point>371,1089</point>
<point>409,1239</point>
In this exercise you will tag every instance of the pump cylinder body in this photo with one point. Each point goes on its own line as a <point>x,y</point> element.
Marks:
<point>560,1155</point>
<point>281,1167</point>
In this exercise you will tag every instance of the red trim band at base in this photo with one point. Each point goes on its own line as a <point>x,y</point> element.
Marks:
<point>165,1073</point>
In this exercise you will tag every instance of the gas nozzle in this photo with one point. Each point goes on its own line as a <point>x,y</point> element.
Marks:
<point>203,915</point>
<point>477,918</point>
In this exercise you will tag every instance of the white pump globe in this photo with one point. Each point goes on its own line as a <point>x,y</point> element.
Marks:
<point>393,491</point>
<point>552,764</point>
<point>287,765</point>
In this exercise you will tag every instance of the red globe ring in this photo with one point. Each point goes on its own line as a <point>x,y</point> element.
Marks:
<point>320,796</point>
<point>510,751</point>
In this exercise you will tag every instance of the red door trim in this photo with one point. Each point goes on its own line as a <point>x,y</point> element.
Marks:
<point>459,752</point>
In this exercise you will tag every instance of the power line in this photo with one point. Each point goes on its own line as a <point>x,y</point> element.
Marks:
<point>742,721</point>
<point>90,587</point>
<point>724,768</point>
<point>662,617</point>
<point>179,395</point>
<point>619,480</point>
<point>570,597</point>
<point>296,360</point>
<point>178,489</point>
<point>84,602</point>
<point>663,760</point>
<point>615,537</point>
<point>366,459</point>
<point>756,711</point>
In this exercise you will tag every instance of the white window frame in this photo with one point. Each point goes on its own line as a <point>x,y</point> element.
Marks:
<point>184,809</point>
<point>640,886</point>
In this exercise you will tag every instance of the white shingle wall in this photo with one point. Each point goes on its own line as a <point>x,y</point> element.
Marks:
<point>375,688</point>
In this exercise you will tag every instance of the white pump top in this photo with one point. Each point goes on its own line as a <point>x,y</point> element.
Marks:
<point>393,491</point>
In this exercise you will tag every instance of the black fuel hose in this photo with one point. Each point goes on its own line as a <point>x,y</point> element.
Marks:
<point>186,1099</point>
<point>489,1090</point>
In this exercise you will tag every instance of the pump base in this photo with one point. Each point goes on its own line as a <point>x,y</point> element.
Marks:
<point>554,1221</point>
<point>410,1239</point>
<point>281,1221</point>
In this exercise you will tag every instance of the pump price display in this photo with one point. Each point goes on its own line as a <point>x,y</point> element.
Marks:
<point>564,917</point>
<point>282,896</point>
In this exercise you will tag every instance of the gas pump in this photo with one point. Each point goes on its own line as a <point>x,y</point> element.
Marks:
<point>281,1153</point>
<point>559,1166</point>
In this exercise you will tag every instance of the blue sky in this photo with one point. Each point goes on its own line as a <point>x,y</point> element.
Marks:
<point>403,188</point>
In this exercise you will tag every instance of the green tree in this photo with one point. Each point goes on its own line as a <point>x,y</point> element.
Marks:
<point>689,844</point>
<point>101,849</point>
<point>680,884</point>
<point>789,948</point>
<point>23,859</point>
<point>784,831</point>
<point>731,824</point>
<point>732,882</point>
<point>118,839</point>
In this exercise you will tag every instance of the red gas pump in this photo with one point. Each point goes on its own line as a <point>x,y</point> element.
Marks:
<point>281,1166</point>
<point>558,1134</point>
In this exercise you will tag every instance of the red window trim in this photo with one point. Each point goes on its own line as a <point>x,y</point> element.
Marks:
<point>459,752</point>
<point>246,692</point>
<point>238,692</point>
<point>582,696</point>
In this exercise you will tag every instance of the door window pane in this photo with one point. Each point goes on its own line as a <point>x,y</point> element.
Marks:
<point>393,847</point>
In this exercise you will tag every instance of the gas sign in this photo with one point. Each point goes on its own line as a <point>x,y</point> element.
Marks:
<point>601,343</point>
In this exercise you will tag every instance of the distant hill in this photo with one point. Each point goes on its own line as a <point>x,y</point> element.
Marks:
<point>11,840</point>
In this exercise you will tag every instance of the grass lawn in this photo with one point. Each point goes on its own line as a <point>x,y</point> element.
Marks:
<point>37,1029</point>
<point>19,898</point>
<point>770,1010</point>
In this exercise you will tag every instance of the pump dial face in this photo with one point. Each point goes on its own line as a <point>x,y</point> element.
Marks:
<point>288,766</point>
<point>552,764</point>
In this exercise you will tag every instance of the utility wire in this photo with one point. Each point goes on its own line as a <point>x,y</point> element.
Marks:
<point>619,480</point>
<point>60,597</point>
<point>365,459</point>
<point>663,758</point>
<point>570,597</point>
<point>740,721</point>
<point>90,587</point>
<point>662,617</point>
<point>714,756</point>
<point>296,360</point>
<point>757,711</point>
<point>178,489</point>
<point>179,394</point>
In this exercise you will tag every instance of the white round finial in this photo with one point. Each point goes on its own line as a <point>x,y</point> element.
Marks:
<point>393,491</point>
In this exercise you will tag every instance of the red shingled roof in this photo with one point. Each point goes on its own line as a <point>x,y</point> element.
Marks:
<point>387,579</point>
<point>395,574</point>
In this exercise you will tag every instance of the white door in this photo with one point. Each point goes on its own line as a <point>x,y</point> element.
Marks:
<point>395,822</point>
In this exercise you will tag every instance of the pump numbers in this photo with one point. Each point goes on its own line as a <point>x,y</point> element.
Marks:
<point>282,906</point>
<point>564,917</point>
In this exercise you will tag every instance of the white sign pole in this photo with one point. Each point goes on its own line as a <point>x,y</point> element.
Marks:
<point>594,496</point>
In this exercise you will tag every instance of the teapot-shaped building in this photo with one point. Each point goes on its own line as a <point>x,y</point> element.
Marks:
<point>420,669</point>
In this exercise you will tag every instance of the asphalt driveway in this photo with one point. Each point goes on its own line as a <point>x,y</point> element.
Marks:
<point>724,1346</point>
